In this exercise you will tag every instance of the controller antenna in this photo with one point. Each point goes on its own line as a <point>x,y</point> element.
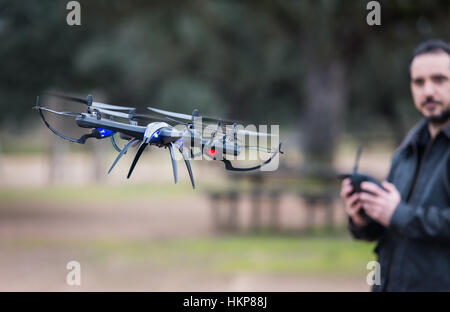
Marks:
<point>358,154</point>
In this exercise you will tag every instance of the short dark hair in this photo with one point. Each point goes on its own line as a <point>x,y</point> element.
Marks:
<point>431,46</point>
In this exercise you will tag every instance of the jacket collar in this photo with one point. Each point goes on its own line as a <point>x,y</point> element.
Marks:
<point>446,131</point>
<point>414,134</point>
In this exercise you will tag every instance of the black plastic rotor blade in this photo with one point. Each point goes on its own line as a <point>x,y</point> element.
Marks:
<point>188,117</point>
<point>67,97</point>
<point>122,152</point>
<point>253,133</point>
<point>174,163</point>
<point>131,115</point>
<point>188,166</point>
<point>136,158</point>
<point>94,104</point>
<point>112,107</point>
<point>171,114</point>
<point>114,113</point>
<point>223,121</point>
<point>149,117</point>
<point>178,121</point>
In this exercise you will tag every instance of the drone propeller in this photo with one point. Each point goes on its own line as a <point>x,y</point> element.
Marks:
<point>195,113</point>
<point>172,114</point>
<point>88,102</point>
<point>150,117</point>
<point>114,113</point>
<point>253,133</point>
<point>233,132</point>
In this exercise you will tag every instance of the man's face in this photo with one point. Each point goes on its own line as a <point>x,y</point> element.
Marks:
<point>430,86</point>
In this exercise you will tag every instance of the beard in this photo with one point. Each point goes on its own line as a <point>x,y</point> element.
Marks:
<point>440,119</point>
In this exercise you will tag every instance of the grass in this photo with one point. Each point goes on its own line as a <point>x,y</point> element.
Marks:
<point>318,253</point>
<point>232,254</point>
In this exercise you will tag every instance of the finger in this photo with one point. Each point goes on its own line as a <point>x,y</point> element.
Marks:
<point>368,198</point>
<point>389,186</point>
<point>345,183</point>
<point>345,191</point>
<point>357,206</point>
<point>348,190</point>
<point>352,200</point>
<point>371,209</point>
<point>354,209</point>
<point>372,187</point>
<point>342,193</point>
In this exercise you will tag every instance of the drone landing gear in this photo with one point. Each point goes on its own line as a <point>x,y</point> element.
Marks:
<point>122,152</point>
<point>188,166</point>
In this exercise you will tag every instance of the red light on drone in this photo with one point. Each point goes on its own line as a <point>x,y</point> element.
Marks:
<point>211,152</point>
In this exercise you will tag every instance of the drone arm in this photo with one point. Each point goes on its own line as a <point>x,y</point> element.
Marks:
<point>85,121</point>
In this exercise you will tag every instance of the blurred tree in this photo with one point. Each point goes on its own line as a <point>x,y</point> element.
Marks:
<point>312,63</point>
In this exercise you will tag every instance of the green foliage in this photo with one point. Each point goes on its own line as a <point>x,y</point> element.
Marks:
<point>322,256</point>
<point>247,59</point>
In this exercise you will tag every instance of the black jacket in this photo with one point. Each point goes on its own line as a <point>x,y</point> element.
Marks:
<point>414,251</point>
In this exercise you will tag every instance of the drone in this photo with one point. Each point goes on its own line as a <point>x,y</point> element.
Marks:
<point>145,130</point>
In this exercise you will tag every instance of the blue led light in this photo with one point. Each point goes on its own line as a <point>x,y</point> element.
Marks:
<point>104,132</point>
<point>155,134</point>
<point>179,143</point>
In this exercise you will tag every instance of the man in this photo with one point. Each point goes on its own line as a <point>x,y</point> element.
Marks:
<point>411,213</point>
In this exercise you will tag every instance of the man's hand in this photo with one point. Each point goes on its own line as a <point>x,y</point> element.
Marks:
<point>380,204</point>
<point>352,203</point>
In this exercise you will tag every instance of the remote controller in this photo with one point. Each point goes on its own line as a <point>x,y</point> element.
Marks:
<point>356,179</point>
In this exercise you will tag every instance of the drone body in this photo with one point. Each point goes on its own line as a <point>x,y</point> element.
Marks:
<point>158,133</point>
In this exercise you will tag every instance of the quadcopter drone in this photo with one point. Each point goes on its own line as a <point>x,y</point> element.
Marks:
<point>100,118</point>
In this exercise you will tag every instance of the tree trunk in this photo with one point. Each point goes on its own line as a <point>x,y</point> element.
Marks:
<point>322,121</point>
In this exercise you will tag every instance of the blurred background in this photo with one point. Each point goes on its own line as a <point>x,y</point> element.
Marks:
<point>313,67</point>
